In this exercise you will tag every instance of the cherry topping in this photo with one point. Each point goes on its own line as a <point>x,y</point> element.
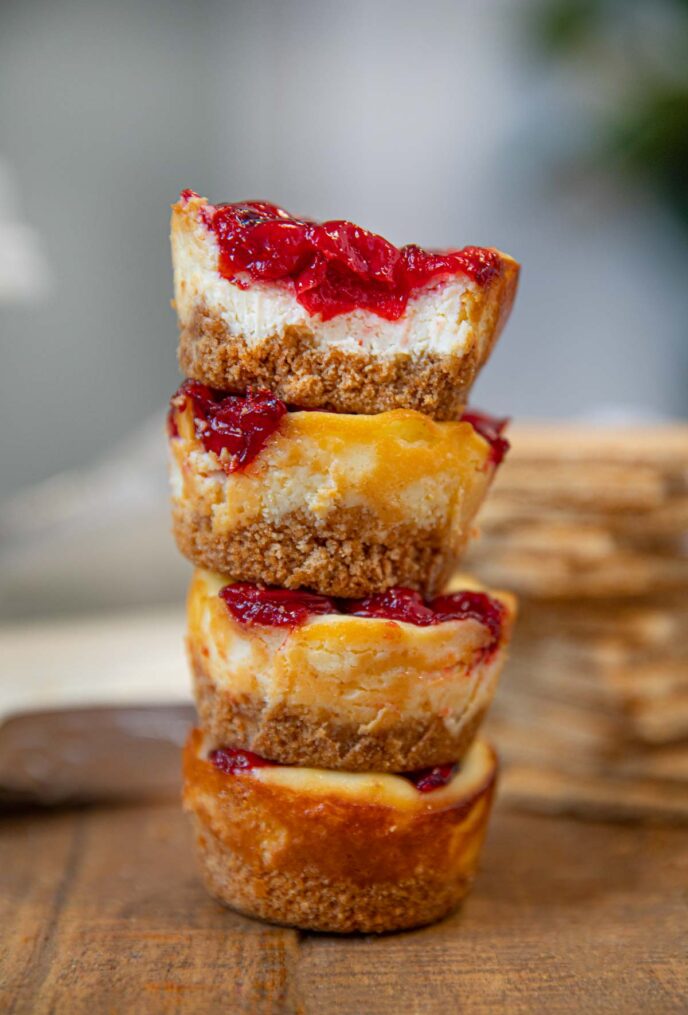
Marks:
<point>407,605</point>
<point>233,759</point>
<point>270,607</point>
<point>333,267</point>
<point>491,428</point>
<point>253,605</point>
<point>235,427</point>
<point>428,779</point>
<point>394,604</point>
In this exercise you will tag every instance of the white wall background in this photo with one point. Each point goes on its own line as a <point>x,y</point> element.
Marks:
<point>427,122</point>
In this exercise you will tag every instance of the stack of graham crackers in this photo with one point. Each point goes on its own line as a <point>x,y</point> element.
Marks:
<point>590,526</point>
<point>325,479</point>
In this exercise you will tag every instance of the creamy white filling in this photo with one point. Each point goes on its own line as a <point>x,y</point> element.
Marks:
<point>433,321</point>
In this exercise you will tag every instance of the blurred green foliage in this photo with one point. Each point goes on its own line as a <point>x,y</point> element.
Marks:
<point>633,56</point>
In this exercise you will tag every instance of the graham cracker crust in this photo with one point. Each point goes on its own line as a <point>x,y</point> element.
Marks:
<point>343,557</point>
<point>304,374</point>
<point>313,902</point>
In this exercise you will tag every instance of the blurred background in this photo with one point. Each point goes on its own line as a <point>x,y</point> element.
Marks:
<point>556,130</point>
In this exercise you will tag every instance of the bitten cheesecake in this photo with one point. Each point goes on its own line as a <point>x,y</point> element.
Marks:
<point>385,683</point>
<point>331,316</point>
<point>341,504</point>
<point>336,851</point>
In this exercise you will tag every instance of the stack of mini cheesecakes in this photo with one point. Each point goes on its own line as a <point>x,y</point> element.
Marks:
<point>325,479</point>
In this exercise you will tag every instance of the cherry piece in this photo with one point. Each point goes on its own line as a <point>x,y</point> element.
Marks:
<point>471,605</point>
<point>235,427</point>
<point>394,604</point>
<point>491,428</point>
<point>428,779</point>
<point>269,607</point>
<point>233,759</point>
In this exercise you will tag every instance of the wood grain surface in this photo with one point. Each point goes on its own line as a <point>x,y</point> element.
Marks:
<point>101,911</point>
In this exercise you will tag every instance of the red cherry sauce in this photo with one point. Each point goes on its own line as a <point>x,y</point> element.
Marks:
<point>394,604</point>
<point>235,427</point>
<point>270,607</point>
<point>471,605</point>
<point>332,267</point>
<point>428,779</point>
<point>491,428</point>
<point>408,605</point>
<point>231,760</point>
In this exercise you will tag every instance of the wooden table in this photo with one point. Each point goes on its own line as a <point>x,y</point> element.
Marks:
<point>101,911</point>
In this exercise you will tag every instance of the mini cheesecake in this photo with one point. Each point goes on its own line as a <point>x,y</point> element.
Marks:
<point>336,851</point>
<point>328,315</point>
<point>342,504</point>
<point>387,683</point>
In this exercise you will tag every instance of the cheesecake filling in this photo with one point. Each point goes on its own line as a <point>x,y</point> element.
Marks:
<point>436,788</point>
<point>236,428</point>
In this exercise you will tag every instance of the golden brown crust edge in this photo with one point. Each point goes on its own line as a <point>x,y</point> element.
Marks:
<point>343,559</point>
<point>326,863</point>
<point>301,372</point>
<point>315,739</point>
